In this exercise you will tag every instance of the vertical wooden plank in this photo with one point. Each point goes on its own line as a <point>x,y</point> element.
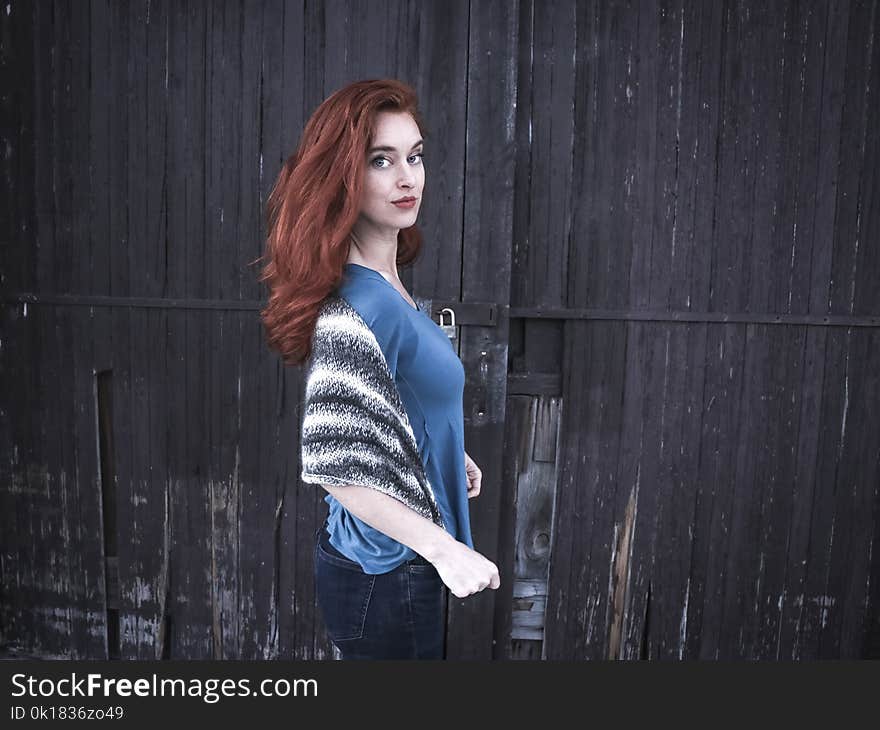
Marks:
<point>516,440</point>
<point>223,368</point>
<point>219,409</point>
<point>43,211</point>
<point>54,528</point>
<point>692,48</point>
<point>263,369</point>
<point>189,602</point>
<point>870,641</point>
<point>813,225</point>
<point>722,384</point>
<point>36,616</point>
<point>185,599</point>
<point>438,71</point>
<point>43,435</point>
<point>681,344</point>
<point>645,431</point>
<point>562,600</point>
<point>491,95</point>
<point>676,490</point>
<point>699,47</point>
<point>765,268</point>
<point>785,282</point>
<point>141,505</point>
<point>591,432</point>
<point>141,587</point>
<point>608,98</point>
<point>618,126</point>
<point>816,604</point>
<point>792,122</point>
<point>862,616</point>
<point>284,38</point>
<point>17,390</point>
<point>309,509</point>
<point>82,523</point>
<point>855,490</point>
<point>867,266</point>
<point>806,544</point>
<point>830,114</point>
<point>736,161</point>
<point>147,215</point>
<point>552,130</point>
<point>17,60</point>
<point>838,212</point>
<point>776,440</point>
<point>859,78</point>
<point>39,570</point>
<point>807,445</point>
<point>19,346</point>
<point>131,624</point>
<point>860,152</point>
<point>54,562</point>
<point>743,564</point>
<point>660,251</point>
<point>151,137</point>
<point>258,495</point>
<point>522,189</point>
<point>736,166</point>
<point>102,106</point>
<point>642,200</point>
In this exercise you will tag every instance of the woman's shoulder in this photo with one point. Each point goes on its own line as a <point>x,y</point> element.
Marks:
<point>389,323</point>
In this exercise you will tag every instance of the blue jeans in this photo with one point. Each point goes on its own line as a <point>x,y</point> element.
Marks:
<point>394,615</point>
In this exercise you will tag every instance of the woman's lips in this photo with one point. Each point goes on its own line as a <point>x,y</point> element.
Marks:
<point>406,203</point>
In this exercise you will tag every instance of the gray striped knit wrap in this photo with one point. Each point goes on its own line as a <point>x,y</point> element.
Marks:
<point>355,428</point>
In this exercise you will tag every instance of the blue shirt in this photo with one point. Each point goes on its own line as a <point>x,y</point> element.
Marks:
<point>430,379</point>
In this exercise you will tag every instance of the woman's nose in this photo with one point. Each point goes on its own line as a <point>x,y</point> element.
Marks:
<point>408,178</point>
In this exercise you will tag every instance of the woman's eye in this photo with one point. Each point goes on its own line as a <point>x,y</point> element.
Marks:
<point>420,155</point>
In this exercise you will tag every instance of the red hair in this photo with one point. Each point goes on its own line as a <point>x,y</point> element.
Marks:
<point>313,206</point>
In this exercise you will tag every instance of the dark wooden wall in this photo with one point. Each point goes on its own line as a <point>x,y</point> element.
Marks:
<point>658,224</point>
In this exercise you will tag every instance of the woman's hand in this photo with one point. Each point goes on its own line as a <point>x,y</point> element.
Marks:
<point>474,476</point>
<point>463,570</point>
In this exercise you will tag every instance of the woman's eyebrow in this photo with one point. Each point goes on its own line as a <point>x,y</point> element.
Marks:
<point>386,148</point>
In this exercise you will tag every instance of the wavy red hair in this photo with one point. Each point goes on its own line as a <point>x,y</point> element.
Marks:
<point>313,206</point>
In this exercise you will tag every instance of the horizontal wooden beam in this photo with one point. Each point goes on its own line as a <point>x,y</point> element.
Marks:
<point>473,313</point>
<point>827,320</point>
<point>84,300</point>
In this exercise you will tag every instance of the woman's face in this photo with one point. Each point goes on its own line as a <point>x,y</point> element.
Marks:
<point>394,171</point>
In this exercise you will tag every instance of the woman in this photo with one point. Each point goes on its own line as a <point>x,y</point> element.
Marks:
<point>383,426</point>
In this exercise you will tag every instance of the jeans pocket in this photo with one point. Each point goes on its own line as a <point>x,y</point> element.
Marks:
<point>343,596</point>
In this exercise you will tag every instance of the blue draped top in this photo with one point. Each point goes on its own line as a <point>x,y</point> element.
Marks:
<point>430,378</point>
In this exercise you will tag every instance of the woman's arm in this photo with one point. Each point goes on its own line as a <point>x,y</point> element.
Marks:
<point>394,518</point>
<point>463,570</point>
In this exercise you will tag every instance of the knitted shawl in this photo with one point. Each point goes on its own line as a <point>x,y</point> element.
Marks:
<point>355,429</point>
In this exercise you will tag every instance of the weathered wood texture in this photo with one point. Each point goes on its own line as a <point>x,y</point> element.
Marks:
<point>642,191</point>
<point>705,157</point>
